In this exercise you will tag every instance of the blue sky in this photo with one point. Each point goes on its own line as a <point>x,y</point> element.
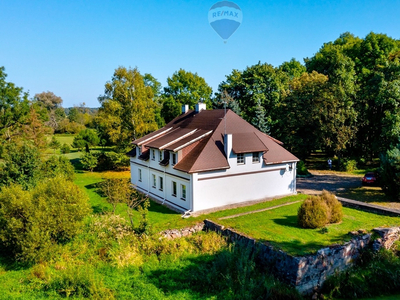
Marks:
<point>72,47</point>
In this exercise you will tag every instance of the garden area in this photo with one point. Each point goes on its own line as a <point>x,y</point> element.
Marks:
<point>108,259</point>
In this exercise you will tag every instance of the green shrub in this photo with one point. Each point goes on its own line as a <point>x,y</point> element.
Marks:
<point>348,165</point>
<point>21,166</point>
<point>335,210</point>
<point>390,173</point>
<point>32,223</point>
<point>76,281</point>
<point>65,149</point>
<point>313,213</point>
<point>374,275</point>
<point>111,161</point>
<point>301,168</point>
<point>58,165</point>
<point>89,161</point>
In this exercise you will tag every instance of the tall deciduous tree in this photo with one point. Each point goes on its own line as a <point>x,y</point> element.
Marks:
<point>313,117</point>
<point>14,107</point>
<point>258,86</point>
<point>185,88</point>
<point>127,108</point>
<point>378,72</point>
<point>49,100</point>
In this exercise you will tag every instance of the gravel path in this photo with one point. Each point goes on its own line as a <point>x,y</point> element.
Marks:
<point>327,181</point>
<point>257,211</point>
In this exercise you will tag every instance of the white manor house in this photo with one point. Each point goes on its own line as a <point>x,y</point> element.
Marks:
<point>205,159</point>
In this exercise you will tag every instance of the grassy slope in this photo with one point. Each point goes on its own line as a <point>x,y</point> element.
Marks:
<point>278,226</point>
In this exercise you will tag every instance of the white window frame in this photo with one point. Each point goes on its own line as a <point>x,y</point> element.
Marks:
<point>240,159</point>
<point>154,181</point>
<point>174,188</point>
<point>183,192</point>
<point>140,174</point>
<point>160,155</point>
<point>161,181</point>
<point>173,158</point>
<point>153,154</point>
<point>256,157</point>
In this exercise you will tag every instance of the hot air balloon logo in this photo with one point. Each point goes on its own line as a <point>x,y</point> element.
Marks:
<point>225,17</point>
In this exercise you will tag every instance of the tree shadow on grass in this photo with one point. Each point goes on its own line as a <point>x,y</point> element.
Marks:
<point>159,208</point>
<point>298,248</point>
<point>288,221</point>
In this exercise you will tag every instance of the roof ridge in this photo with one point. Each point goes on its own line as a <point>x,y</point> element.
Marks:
<point>255,133</point>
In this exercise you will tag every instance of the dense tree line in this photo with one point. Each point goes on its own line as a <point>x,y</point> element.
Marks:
<point>345,100</point>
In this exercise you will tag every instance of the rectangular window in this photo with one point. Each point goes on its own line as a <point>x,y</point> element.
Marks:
<point>256,157</point>
<point>159,155</point>
<point>161,183</point>
<point>183,192</point>
<point>153,154</point>
<point>174,188</point>
<point>140,174</point>
<point>240,159</point>
<point>173,159</point>
<point>154,181</point>
<point>139,152</point>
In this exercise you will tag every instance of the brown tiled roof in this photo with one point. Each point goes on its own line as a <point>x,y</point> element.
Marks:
<point>173,135</point>
<point>247,142</point>
<point>207,150</point>
<point>188,140</point>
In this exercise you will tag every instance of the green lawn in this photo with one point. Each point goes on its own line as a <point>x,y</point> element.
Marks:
<point>279,227</point>
<point>160,217</point>
<point>65,138</point>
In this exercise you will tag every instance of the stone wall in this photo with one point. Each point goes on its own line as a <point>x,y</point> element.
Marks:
<point>306,272</point>
<point>178,233</point>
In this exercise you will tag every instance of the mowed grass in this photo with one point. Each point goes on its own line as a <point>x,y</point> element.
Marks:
<point>279,227</point>
<point>160,217</point>
<point>65,138</point>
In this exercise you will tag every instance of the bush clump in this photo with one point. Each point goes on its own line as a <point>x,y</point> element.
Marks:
<point>317,211</point>
<point>335,211</point>
<point>348,165</point>
<point>302,169</point>
<point>313,213</point>
<point>65,149</point>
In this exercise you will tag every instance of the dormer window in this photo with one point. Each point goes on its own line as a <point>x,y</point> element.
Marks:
<point>173,158</point>
<point>140,152</point>
<point>240,159</point>
<point>256,157</point>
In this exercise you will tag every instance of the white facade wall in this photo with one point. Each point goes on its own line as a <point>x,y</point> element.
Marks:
<point>239,183</point>
<point>243,182</point>
<point>168,175</point>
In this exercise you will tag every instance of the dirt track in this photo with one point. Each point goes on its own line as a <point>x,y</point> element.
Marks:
<point>327,181</point>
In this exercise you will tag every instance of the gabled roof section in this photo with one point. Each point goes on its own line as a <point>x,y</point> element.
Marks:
<point>178,145</point>
<point>247,142</point>
<point>171,137</point>
<point>151,136</point>
<point>201,134</point>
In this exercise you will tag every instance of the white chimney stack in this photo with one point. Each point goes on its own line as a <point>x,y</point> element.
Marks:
<point>200,106</point>
<point>185,108</point>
